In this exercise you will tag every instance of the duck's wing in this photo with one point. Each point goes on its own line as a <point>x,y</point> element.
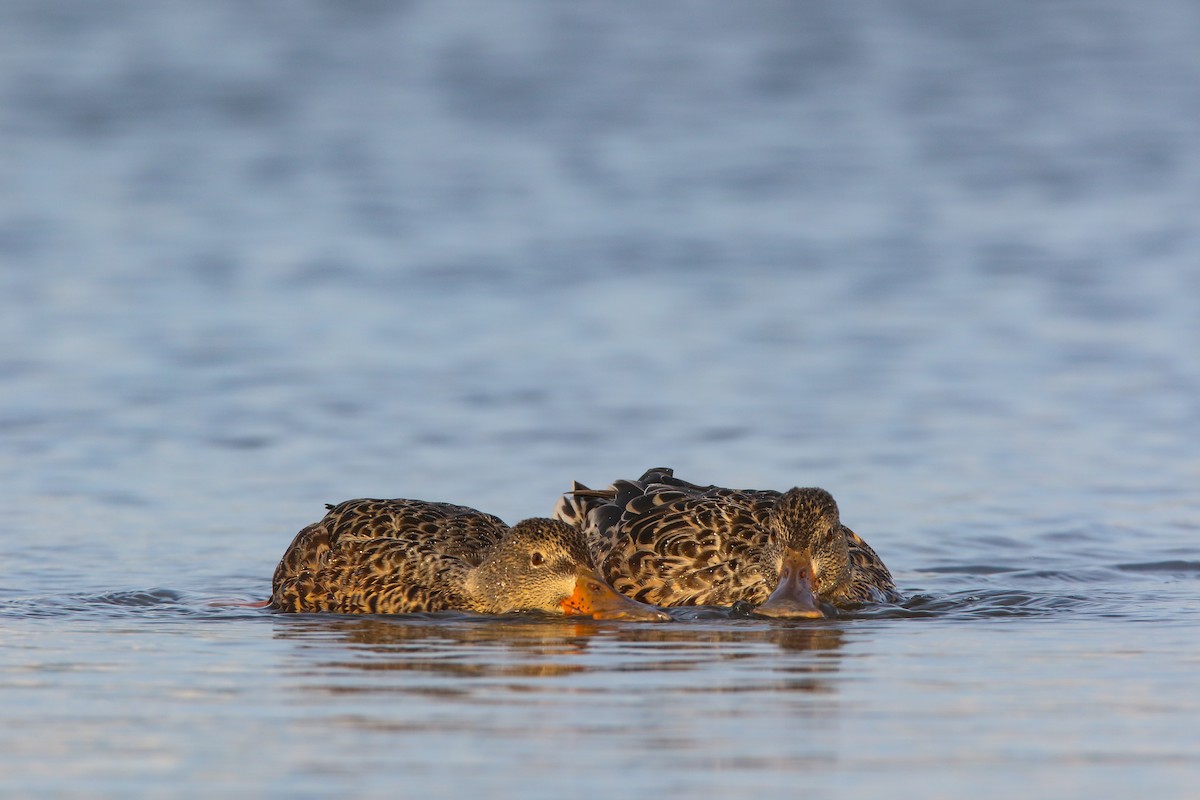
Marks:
<point>294,577</point>
<point>870,580</point>
<point>384,556</point>
<point>574,506</point>
<point>592,509</point>
<point>665,541</point>
<point>397,574</point>
<point>386,576</point>
<point>454,529</point>
<point>675,547</point>
<point>599,512</point>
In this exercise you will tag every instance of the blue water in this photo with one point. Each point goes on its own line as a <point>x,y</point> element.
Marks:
<point>939,258</point>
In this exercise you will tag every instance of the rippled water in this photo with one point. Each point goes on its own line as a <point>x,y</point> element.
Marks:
<point>941,260</point>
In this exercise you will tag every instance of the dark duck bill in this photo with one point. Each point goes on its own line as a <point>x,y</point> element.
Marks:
<point>794,596</point>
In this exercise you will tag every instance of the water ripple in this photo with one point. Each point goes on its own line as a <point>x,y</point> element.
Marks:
<point>167,604</point>
<point>153,603</point>
<point>1181,568</point>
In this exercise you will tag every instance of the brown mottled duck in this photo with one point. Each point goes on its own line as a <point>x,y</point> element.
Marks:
<point>665,541</point>
<point>398,556</point>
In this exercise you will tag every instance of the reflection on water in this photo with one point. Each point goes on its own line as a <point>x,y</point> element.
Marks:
<point>697,695</point>
<point>510,647</point>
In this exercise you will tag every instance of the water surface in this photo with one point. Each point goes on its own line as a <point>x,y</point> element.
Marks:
<point>939,260</point>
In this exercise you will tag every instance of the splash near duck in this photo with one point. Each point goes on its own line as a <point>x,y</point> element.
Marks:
<point>664,541</point>
<point>399,556</point>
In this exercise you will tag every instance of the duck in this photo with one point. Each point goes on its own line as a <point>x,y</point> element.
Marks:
<point>665,541</point>
<point>373,556</point>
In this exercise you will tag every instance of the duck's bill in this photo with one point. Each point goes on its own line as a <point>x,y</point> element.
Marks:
<point>794,597</point>
<point>595,598</point>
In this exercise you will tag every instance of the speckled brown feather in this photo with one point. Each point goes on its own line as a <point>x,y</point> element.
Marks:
<point>871,581</point>
<point>385,556</point>
<point>397,556</point>
<point>668,542</point>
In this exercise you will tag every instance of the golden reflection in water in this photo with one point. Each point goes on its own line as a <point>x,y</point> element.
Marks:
<point>447,685</point>
<point>533,647</point>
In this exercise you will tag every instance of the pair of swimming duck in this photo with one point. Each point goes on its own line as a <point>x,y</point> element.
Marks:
<point>612,553</point>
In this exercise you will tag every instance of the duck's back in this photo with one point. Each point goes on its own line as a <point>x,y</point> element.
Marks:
<point>668,542</point>
<point>385,556</point>
<point>663,540</point>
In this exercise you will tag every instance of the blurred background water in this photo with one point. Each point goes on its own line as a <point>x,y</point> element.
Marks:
<point>939,258</point>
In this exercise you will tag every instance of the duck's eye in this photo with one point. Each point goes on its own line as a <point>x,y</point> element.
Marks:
<point>537,559</point>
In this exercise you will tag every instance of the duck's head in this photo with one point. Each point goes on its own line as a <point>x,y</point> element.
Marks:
<point>808,547</point>
<point>544,565</point>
